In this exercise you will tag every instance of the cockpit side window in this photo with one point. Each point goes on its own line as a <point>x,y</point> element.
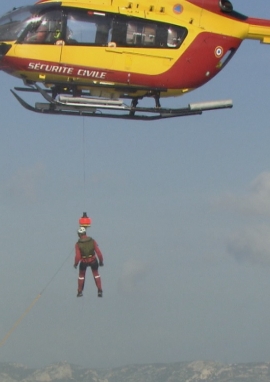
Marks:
<point>44,29</point>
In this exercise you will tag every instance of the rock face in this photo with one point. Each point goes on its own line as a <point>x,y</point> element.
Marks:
<point>198,371</point>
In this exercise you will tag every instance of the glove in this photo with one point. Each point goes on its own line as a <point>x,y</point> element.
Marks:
<point>75,266</point>
<point>101,264</point>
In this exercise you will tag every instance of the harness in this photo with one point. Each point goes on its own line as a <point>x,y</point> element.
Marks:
<point>87,247</point>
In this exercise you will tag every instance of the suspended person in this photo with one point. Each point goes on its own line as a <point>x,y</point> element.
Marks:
<point>88,254</point>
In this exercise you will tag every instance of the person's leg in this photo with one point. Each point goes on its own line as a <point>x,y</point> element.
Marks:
<point>97,278</point>
<point>81,278</point>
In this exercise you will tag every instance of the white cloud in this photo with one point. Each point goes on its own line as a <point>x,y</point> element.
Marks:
<point>250,242</point>
<point>24,184</point>
<point>251,245</point>
<point>133,273</point>
<point>256,201</point>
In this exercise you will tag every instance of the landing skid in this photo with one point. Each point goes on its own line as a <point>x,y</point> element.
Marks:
<point>107,108</point>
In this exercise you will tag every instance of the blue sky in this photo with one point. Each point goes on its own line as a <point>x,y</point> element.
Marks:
<point>181,212</point>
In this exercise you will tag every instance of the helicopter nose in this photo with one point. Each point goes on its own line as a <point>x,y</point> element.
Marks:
<point>4,48</point>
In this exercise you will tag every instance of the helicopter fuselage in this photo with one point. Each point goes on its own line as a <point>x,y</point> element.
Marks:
<point>123,48</point>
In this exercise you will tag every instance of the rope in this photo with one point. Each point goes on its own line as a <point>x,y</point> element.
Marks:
<point>33,303</point>
<point>19,320</point>
<point>56,273</point>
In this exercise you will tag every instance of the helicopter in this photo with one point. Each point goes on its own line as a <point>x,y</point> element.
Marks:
<point>87,57</point>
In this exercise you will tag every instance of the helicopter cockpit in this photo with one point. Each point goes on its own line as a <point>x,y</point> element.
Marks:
<point>14,23</point>
<point>31,24</point>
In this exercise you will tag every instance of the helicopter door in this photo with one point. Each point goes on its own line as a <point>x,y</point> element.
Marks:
<point>41,42</point>
<point>86,42</point>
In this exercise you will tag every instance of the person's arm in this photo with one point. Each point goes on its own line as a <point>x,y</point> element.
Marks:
<point>77,255</point>
<point>98,253</point>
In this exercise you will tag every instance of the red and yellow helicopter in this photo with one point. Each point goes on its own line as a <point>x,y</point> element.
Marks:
<point>91,55</point>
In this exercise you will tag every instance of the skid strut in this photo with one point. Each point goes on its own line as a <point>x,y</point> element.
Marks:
<point>113,108</point>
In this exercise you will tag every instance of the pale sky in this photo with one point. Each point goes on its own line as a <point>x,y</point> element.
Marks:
<point>180,210</point>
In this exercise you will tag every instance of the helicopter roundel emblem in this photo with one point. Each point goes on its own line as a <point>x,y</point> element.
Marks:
<point>178,8</point>
<point>219,51</point>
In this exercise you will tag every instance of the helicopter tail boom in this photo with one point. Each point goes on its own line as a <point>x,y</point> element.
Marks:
<point>259,29</point>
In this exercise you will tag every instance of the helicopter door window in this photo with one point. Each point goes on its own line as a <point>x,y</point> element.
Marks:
<point>149,35</point>
<point>139,34</point>
<point>88,28</point>
<point>119,33</point>
<point>161,36</point>
<point>175,36</point>
<point>172,40</point>
<point>82,29</point>
<point>132,33</point>
<point>103,35</point>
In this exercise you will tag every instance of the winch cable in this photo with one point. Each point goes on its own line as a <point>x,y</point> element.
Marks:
<point>29,308</point>
<point>84,161</point>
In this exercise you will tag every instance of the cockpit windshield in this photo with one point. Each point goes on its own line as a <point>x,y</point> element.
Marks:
<point>14,23</point>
